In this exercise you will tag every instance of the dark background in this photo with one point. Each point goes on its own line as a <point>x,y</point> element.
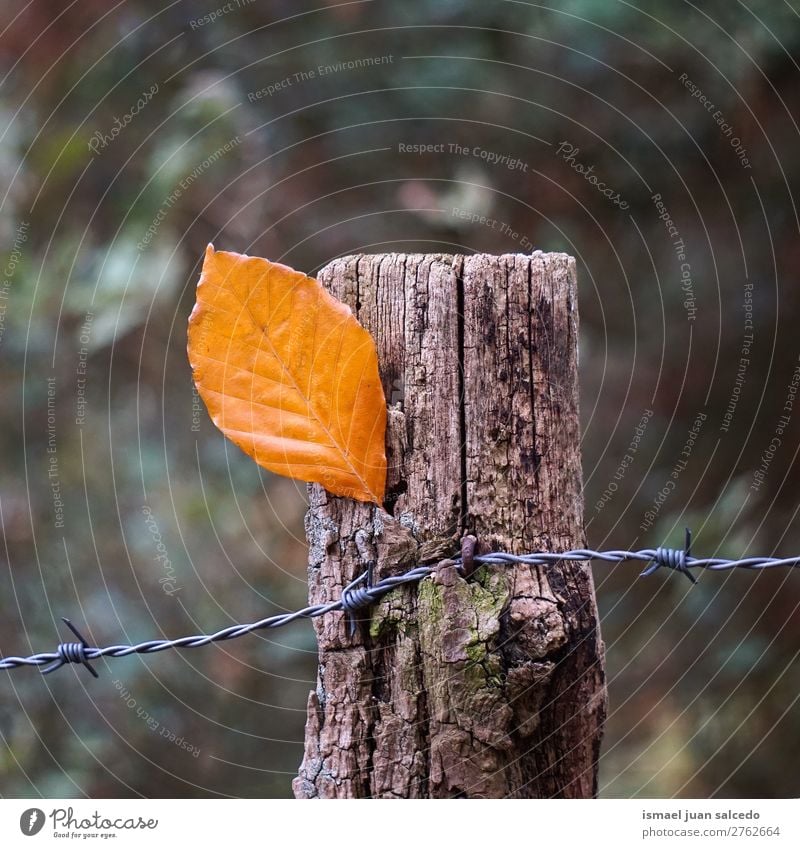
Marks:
<point>703,681</point>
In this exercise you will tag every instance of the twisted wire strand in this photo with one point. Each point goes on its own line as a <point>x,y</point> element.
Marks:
<point>81,652</point>
<point>645,555</point>
<point>356,596</point>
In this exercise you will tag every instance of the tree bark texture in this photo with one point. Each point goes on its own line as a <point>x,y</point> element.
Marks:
<point>491,686</point>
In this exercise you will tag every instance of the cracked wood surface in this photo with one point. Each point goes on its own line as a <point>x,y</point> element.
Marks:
<point>489,687</point>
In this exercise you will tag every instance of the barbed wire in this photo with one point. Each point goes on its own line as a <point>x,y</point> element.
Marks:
<point>363,592</point>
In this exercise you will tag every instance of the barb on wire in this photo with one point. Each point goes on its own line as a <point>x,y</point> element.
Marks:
<point>356,596</point>
<point>352,599</point>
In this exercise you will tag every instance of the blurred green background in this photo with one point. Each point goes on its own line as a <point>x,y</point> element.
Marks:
<point>135,133</point>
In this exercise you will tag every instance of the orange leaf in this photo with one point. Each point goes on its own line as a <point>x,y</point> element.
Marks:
<point>289,375</point>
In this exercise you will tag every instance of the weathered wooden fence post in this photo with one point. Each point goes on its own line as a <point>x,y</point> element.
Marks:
<point>489,687</point>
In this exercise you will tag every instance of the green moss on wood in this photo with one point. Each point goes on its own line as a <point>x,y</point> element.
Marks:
<point>459,623</point>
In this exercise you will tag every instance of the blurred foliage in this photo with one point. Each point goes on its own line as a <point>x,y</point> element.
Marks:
<point>703,683</point>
